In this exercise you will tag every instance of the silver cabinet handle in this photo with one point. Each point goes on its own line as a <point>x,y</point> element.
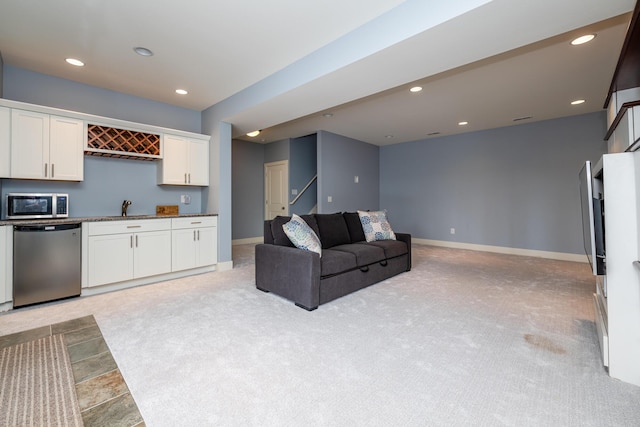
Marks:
<point>131,241</point>
<point>189,178</point>
<point>53,173</point>
<point>134,226</point>
<point>136,240</point>
<point>45,170</point>
<point>196,222</point>
<point>194,235</point>
<point>198,234</point>
<point>185,178</point>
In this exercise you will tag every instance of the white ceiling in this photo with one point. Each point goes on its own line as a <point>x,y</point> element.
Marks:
<point>492,62</point>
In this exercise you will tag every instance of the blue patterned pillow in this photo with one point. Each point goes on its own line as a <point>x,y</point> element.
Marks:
<point>376,226</point>
<point>301,235</point>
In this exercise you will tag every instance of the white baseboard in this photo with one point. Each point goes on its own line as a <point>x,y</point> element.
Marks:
<point>503,250</point>
<point>224,266</point>
<point>247,241</point>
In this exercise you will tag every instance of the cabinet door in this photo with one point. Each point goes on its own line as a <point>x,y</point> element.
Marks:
<point>174,160</point>
<point>5,142</point>
<point>198,162</point>
<point>4,286</point>
<point>152,254</point>
<point>66,149</point>
<point>207,253</point>
<point>183,254</point>
<point>29,144</point>
<point>110,259</point>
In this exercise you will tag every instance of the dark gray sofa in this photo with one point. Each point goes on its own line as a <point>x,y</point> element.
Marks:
<point>348,261</point>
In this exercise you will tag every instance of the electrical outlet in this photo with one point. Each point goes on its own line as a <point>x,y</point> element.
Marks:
<point>356,179</point>
<point>185,198</point>
<point>294,191</point>
<point>453,230</point>
<point>329,199</point>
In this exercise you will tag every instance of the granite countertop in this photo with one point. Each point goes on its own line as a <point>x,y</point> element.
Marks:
<point>74,220</point>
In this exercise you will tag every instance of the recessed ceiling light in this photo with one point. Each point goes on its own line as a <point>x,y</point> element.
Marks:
<point>578,102</point>
<point>142,51</point>
<point>327,115</point>
<point>75,62</point>
<point>416,89</point>
<point>583,39</point>
<point>254,133</point>
<point>463,123</point>
<point>181,92</point>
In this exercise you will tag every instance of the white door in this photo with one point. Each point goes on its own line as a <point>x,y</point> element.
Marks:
<point>29,144</point>
<point>276,189</point>
<point>152,254</point>
<point>66,156</point>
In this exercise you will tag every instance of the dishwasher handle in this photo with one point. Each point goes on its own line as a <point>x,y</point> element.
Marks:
<point>46,227</point>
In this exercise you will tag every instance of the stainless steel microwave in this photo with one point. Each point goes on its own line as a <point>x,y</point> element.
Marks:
<point>37,205</point>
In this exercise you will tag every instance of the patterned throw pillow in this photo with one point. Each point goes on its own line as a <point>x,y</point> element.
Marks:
<point>376,226</point>
<point>301,235</point>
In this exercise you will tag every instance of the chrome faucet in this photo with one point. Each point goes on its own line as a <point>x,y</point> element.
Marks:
<point>125,205</point>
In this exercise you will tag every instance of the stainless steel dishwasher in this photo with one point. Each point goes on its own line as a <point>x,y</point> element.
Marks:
<point>46,262</point>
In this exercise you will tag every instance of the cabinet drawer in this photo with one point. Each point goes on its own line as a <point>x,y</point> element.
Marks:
<point>194,222</point>
<point>128,226</point>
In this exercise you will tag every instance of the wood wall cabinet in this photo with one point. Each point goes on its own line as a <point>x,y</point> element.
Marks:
<point>5,142</point>
<point>46,147</point>
<point>194,242</point>
<point>185,161</point>
<point>124,250</point>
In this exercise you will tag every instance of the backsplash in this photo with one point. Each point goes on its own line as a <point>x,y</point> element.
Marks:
<point>107,182</point>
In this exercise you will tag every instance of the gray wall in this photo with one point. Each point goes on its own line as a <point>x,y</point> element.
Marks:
<point>276,151</point>
<point>303,165</point>
<point>107,181</point>
<point>42,89</point>
<point>1,73</point>
<point>512,187</point>
<point>247,189</point>
<point>339,160</point>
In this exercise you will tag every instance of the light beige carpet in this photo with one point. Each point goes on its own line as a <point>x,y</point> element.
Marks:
<point>37,386</point>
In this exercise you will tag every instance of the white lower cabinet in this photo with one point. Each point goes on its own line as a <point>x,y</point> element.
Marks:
<point>194,242</point>
<point>118,251</point>
<point>5,282</point>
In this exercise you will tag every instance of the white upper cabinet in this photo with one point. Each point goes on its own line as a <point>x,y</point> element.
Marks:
<point>66,148</point>
<point>46,147</point>
<point>185,161</point>
<point>5,142</point>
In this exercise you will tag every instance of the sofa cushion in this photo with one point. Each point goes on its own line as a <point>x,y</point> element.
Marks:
<point>301,235</point>
<point>365,253</point>
<point>279,236</point>
<point>354,226</point>
<point>333,230</point>
<point>334,262</point>
<point>376,226</point>
<point>392,248</point>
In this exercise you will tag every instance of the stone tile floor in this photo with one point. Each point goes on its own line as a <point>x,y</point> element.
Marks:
<point>103,395</point>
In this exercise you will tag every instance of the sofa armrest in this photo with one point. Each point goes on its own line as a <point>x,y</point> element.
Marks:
<point>405,237</point>
<point>289,272</point>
